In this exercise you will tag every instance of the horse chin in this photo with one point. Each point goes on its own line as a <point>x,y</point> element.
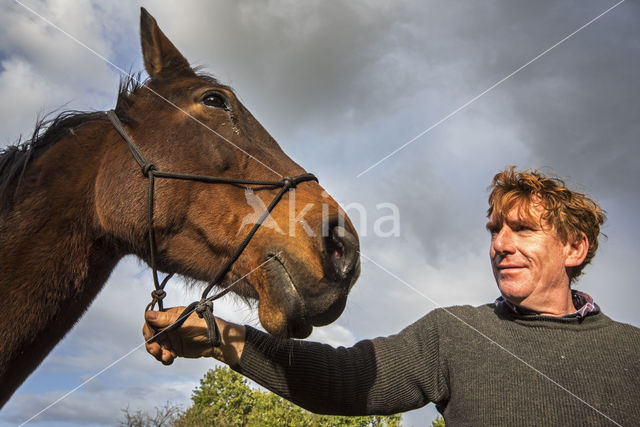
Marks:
<point>288,310</point>
<point>330,314</point>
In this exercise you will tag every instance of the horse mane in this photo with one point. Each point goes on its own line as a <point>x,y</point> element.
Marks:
<point>15,158</point>
<point>50,129</point>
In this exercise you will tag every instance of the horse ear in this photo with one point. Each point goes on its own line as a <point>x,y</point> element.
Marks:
<point>161,57</point>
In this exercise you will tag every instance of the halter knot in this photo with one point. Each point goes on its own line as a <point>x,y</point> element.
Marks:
<point>205,311</point>
<point>203,307</point>
<point>147,168</point>
<point>289,182</point>
<point>158,294</point>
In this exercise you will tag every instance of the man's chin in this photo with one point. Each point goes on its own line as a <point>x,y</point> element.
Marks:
<point>513,292</point>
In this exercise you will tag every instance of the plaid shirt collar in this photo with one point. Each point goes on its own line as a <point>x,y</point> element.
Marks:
<point>580,299</point>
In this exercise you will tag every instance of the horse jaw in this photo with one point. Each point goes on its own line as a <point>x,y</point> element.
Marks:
<point>292,301</point>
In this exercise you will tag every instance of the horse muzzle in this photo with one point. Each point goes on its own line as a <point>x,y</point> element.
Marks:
<point>298,299</point>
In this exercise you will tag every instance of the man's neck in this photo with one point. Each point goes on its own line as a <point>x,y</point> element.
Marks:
<point>549,306</point>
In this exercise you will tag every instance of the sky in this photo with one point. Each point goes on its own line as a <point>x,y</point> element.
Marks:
<point>342,85</point>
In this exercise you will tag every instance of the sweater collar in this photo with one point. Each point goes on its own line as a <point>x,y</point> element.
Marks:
<point>581,300</point>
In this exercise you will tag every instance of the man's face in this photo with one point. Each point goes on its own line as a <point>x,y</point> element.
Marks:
<point>528,258</point>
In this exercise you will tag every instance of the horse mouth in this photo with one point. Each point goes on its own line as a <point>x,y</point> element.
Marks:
<point>284,302</point>
<point>290,309</point>
<point>284,274</point>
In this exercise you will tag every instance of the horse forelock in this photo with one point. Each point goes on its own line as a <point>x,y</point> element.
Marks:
<point>129,86</point>
<point>207,77</point>
<point>131,83</point>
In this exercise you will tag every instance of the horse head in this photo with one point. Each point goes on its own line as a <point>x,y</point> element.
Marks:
<point>303,260</point>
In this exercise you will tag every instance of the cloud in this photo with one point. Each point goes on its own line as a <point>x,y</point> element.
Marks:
<point>334,335</point>
<point>42,69</point>
<point>26,91</point>
<point>99,403</point>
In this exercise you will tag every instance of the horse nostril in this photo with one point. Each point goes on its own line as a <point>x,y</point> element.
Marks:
<point>341,246</point>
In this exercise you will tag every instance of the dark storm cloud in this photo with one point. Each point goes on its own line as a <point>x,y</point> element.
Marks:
<point>574,111</point>
<point>307,62</point>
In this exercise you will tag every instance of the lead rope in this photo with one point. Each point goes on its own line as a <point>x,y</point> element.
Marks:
<point>204,307</point>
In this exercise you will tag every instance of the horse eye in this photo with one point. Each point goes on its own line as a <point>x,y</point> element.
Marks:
<point>215,100</point>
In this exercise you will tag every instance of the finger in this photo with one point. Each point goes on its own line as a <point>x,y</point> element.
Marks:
<point>161,353</point>
<point>167,356</point>
<point>162,319</point>
<point>147,331</point>
<point>155,350</point>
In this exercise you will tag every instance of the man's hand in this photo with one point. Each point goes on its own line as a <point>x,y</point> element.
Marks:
<point>190,340</point>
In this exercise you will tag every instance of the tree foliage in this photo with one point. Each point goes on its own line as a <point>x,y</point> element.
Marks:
<point>438,422</point>
<point>224,398</point>
<point>165,416</point>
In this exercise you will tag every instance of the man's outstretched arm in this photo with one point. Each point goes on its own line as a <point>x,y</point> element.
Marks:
<point>380,376</point>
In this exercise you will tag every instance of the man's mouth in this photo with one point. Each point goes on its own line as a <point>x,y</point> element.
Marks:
<point>510,269</point>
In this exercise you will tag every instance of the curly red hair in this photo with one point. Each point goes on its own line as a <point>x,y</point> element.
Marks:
<point>569,212</point>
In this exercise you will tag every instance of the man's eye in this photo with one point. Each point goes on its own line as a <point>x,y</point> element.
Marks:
<point>215,100</point>
<point>493,230</point>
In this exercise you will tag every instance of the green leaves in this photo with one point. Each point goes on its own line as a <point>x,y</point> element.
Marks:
<point>223,394</point>
<point>438,422</point>
<point>225,398</point>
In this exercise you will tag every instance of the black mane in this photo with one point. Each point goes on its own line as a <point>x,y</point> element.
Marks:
<point>50,129</point>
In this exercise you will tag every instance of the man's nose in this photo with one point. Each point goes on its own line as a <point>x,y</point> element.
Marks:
<point>503,241</point>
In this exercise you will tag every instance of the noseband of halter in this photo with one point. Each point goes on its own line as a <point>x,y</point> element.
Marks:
<point>204,307</point>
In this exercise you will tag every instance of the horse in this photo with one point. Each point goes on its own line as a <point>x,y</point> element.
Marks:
<point>73,202</point>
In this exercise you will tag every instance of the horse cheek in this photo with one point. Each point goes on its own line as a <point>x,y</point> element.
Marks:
<point>120,205</point>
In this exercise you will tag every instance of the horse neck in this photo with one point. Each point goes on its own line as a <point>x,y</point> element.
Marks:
<point>54,257</point>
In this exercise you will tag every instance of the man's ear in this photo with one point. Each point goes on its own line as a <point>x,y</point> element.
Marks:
<point>576,251</point>
<point>161,58</point>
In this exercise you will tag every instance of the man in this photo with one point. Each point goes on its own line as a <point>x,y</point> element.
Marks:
<point>541,354</point>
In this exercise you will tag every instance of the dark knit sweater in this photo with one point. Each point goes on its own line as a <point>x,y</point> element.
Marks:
<point>480,365</point>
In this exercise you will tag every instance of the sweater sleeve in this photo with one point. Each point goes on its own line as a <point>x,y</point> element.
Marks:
<point>380,376</point>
